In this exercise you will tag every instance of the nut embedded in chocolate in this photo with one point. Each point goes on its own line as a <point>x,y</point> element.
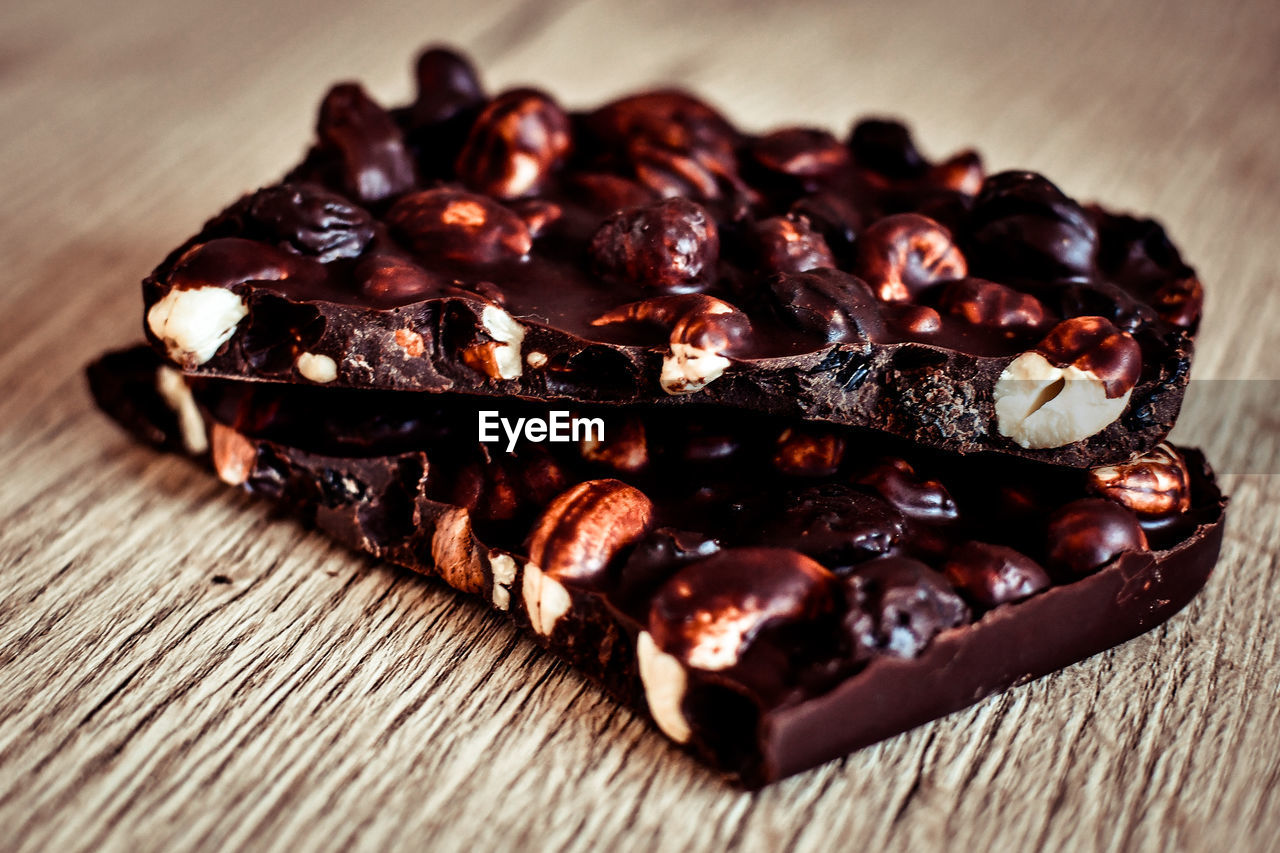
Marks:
<point>201,312</point>
<point>1024,226</point>
<point>459,226</point>
<point>901,255</point>
<point>836,524</point>
<point>672,245</point>
<point>1074,384</point>
<point>886,148</point>
<point>995,306</point>
<point>676,144</point>
<point>519,139</point>
<point>808,452</point>
<point>800,152</point>
<point>1154,485</point>
<point>897,605</point>
<point>788,244</point>
<point>702,330</point>
<point>915,497</point>
<point>828,303</point>
<point>375,163</point>
<point>575,539</point>
<point>386,279</point>
<point>994,574</point>
<point>1087,534</point>
<point>709,612</point>
<point>624,449</point>
<point>1181,301</point>
<point>499,357</point>
<point>447,85</point>
<point>962,173</point>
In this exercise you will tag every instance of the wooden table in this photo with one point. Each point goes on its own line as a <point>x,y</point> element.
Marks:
<point>320,700</point>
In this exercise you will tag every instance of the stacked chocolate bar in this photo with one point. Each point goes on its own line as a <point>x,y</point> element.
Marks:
<point>791,442</point>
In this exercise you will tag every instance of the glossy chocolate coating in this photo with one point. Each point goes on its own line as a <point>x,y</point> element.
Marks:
<point>869,640</point>
<point>557,239</point>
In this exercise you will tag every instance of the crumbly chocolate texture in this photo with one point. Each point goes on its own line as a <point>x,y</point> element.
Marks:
<point>773,594</point>
<point>648,251</point>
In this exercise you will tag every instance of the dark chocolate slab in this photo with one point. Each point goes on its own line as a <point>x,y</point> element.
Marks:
<point>774,594</point>
<point>649,252</point>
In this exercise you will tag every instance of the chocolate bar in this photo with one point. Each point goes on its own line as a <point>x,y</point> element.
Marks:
<point>648,251</point>
<point>772,593</point>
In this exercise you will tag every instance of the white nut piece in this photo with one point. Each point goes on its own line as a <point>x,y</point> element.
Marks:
<point>545,599</point>
<point>1041,405</point>
<point>194,323</point>
<point>176,393</point>
<point>701,330</point>
<point>234,455</point>
<point>317,367</point>
<point>665,682</point>
<point>503,569</point>
<point>509,335</point>
<point>686,369</point>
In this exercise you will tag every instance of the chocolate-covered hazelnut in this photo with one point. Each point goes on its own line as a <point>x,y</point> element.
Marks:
<point>1180,301</point>
<point>1095,346</point>
<point>310,220</point>
<point>386,280</point>
<point>519,139</point>
<point>831,304</point>
<point>994,306</point>
<point>375,163</point>
<point>885,147</point>
<point>800,152</point>
<point>789,244</point>
<point>605,193</point>
<point>657,556</point>
<point>230,261</point>
<point>624,449</point>
<point>962,173</point>
<point>1154,485</point>
<point>897,605</point>
<point>901,255</point>
<point>994,574</point>
<point>1023,225</point>
<point>1074,384</point>
<point>1135,250</point>
<point>702,331</point>
<point>671,246</point>
<point>668,118</point>
<point>1087,534</point>
<point>912,321</point>
<point>915,497</point>
<point>835,524</point>
<point>808,452</point>
<point>537,214</point>
<point>447,85</point>
<point>832,216</point>
<point>709,612</point>
<point>450,224</point>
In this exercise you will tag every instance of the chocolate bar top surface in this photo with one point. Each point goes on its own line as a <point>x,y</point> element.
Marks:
<point>810,589</point>
<point>648,251</point>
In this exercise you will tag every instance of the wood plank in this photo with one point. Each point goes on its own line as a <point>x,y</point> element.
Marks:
<point>323,701</point>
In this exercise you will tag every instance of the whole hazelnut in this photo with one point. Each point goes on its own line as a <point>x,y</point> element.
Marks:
<point>671,246</point>
<point>1089,533</point>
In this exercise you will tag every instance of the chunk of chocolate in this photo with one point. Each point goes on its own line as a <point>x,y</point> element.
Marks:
<point>870,286</point>
<point>767,617</point>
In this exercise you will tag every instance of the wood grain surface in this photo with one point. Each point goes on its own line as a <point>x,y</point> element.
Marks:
<point>179,669</point>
